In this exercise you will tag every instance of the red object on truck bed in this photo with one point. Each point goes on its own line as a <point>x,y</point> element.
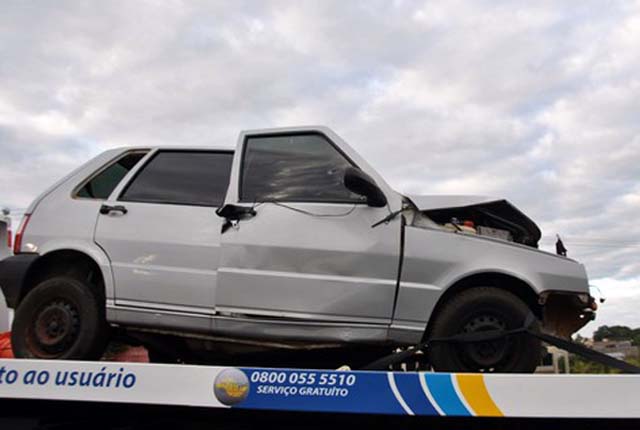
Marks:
<point>127,354</point>
<point>5,345</point>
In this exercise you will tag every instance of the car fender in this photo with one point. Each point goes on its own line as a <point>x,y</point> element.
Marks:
<point>436,260</point>
<point>92,250</point>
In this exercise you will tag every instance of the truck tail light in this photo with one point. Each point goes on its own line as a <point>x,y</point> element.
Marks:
<point>9,239</point>
<point>17,243</point>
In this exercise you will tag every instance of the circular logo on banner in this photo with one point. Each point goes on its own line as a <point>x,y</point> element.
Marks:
<point>231,386</point>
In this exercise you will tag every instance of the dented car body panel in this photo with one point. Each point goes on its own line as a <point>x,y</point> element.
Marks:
<point>295,270</point>
<point>435,260</point>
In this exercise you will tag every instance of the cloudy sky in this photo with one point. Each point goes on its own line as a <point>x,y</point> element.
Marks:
<point>535,101</point>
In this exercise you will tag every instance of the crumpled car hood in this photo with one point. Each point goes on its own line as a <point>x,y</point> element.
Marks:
<point>499,211</point>
<point>428,202</point>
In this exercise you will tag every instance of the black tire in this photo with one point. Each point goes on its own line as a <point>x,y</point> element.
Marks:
<point>61,318</point>
<point>482,309</point>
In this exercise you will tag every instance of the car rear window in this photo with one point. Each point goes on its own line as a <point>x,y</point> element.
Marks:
<point>198,178</point>
<point>101,185</point>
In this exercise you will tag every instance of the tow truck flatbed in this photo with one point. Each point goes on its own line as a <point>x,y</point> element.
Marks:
<point>328,391</point>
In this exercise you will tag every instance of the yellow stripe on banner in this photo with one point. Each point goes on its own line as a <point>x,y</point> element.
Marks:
<point>477,396</point>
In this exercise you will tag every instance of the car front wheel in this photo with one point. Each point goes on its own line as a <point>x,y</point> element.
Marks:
<point>484,309</point>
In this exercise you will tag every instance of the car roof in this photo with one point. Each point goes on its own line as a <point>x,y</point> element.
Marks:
<point>273,130</point>
<point>173,148</point>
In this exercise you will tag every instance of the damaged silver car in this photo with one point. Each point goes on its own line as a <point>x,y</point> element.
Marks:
<point>292,242</point>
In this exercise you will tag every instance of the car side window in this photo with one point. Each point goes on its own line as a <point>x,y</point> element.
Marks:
<point>197,178</point>
<point>101,185</point>
<point>294,168</point>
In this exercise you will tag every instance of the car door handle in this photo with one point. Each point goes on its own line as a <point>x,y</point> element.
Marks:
<point>106,209</point>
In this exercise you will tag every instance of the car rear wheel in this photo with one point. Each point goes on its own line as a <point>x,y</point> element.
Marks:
<point>61,318</point>
<point>477,310</point>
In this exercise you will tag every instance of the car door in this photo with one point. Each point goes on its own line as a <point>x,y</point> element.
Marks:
<point>310,252</point>
<point>161,232</point>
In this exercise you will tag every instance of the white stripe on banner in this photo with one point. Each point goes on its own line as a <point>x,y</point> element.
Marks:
<point>396,392</point>
<point>425,388</point>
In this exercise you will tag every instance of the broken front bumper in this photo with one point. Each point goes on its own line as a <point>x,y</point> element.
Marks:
<point>565,313</point>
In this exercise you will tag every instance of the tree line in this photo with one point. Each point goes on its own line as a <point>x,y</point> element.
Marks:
<point>617,332</point>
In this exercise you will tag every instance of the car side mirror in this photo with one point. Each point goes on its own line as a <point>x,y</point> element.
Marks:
<point>235,212</point>
<point>358,182</point>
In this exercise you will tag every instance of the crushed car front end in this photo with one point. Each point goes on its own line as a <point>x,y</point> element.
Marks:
<point>566,312</point>
<point>471,235</point>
